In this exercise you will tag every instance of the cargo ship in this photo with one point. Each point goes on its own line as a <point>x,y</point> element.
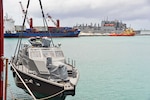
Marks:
<point>14,31</point>
<point>106,28</point>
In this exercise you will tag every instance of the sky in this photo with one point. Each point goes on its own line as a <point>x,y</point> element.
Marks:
<point>135,13</point>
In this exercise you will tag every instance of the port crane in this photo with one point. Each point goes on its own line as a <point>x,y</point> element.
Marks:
<point>29,21</point>
<point>24,12</point>
<point>55,23</point>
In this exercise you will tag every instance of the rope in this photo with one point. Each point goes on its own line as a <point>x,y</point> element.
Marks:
<point>24,83</point>
<point>48,97</point>
<point>25,17</point>
<point>44,21</point>
<point>20,36</point>
<point>18,48</point>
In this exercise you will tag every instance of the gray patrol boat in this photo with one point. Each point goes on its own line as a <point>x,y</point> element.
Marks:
<point>40,68</point>
<point>42,71</point>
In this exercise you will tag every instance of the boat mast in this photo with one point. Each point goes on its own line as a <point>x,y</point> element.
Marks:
<point>1,49</point>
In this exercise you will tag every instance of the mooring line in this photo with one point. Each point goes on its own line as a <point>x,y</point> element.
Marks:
<point>24,83</point>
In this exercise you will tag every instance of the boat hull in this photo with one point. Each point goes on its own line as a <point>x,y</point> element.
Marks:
<point>41,34</point>
<point>121,34</point>
<point>41,89</point>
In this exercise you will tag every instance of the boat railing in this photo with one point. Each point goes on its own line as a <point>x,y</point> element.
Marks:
<point>22,68</point>
<point>71,62</point>
<point>72,72</point>
<point>26,70</point>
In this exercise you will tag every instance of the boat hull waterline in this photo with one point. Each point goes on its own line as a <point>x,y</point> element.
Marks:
<point>45,89</point>
<point>42,87</point>
<point>27,35</point>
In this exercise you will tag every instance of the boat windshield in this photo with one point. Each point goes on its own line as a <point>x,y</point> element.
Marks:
<point>59,53</point>
<point>47,53</point>
<point>35,53</point>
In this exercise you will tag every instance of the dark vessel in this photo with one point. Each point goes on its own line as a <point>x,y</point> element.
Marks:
<point>14,31</point>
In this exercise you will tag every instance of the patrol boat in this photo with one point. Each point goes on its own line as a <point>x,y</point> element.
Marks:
<point>40,68</point>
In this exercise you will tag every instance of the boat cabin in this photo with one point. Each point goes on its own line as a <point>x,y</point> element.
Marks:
<point>42,53</point>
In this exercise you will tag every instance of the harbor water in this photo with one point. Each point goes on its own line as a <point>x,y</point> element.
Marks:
<point>111,68</point>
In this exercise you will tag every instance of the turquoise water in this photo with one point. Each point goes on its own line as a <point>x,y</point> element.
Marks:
<point>111,68</point>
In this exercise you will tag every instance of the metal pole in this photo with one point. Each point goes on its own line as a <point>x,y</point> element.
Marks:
<point>1,49</point>
<point>6,79</point>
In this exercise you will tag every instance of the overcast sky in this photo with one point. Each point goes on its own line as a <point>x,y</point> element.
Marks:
<point>134,13</point>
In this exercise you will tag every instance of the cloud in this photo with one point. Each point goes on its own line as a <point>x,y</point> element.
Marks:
<point>85,10</point>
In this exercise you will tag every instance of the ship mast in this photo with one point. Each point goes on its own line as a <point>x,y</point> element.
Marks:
<point>1,49</point>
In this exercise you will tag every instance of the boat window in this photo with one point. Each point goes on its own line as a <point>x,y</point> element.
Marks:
<point>59,53</point>
<point>35,53</point>
<point>47,53</point>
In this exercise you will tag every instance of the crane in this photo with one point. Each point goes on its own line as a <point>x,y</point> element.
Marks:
<point>55,23</point>
<point>24,12</point>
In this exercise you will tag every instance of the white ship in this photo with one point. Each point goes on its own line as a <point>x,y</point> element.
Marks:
<point>105,28</point>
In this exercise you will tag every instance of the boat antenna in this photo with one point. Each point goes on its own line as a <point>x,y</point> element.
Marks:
<point>44,20</point>
<point>20,36</point>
